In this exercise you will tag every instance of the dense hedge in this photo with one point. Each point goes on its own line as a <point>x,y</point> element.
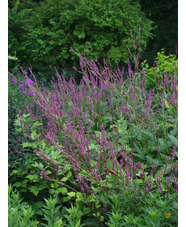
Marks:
<point>43,37</point>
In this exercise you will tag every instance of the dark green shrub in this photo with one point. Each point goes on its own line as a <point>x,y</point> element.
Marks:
<point>24,4</point>
<point>104,27</point>
<point>18,34</point>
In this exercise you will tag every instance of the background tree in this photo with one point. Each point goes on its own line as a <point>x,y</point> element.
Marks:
<point>103,27</point>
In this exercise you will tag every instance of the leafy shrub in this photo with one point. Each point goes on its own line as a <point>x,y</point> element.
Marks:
<point>103,27</point>
<point>19,214</point>
<point>18,33</point>
<point>24,4</point>
<point>162,66</point>
<point>147,210</point>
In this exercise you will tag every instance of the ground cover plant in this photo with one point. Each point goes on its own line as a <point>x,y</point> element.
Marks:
<point>100,153</point>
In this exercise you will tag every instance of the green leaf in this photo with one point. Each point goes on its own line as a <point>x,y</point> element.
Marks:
<point>34,189</point>
<point>78,223</point>
<point>48,172</point>
<point>64,179</point>
<point>92,146</point>
<point>69,174</point>
<point>71,194</point>
<point>33,134</point>
<point>52,191</point>
<point>26,144</point>
<point>110,164</point>
<point>33,177</point>
<point>26,115</point>
<point>24,183</point>
<point>58,223</point>
<point>63,190</point>
<point>67,167</point>
<point>17,184</point>
<point>164,186</point>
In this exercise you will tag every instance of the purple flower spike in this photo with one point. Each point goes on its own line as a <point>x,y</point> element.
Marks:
<point>13,81</point>
<point>142,175</point>
<point>29,81</point>
<point>139,165</point>
<point>22,86</point>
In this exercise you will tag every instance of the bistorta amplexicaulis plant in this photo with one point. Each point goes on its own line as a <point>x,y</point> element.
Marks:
<point>111,130</point>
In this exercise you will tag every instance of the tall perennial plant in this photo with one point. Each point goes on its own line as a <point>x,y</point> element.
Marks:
<point>110,135</point>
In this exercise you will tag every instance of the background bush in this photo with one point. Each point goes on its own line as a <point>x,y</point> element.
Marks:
<point>164,64</point>
<point>104,27</point>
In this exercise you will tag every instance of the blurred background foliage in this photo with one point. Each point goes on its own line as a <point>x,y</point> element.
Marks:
<point>164,14</point>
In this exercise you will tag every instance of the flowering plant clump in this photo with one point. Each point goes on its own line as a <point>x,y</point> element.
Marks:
<point>108,136</point>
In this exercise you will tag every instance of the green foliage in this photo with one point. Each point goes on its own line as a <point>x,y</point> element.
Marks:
<point>24,4</point>
<point>164,64</point>
<point>104,27</point>
<point>19,213</point>
<point>18,34</point>
<point>16,100</point>
<point>130,209</point>
<point>74,217</point>
<point>52,214</point>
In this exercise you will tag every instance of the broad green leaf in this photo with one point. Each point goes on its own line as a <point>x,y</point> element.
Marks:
<point>71,194</point>
<point>58,223</point>
<point>69,174</point>
<point>64,179</point>
<point>63,190</point>
<point>92,146</point>
<point>24,183</point>
<point>164,186</point>
<point>34,189</point>
<point>110,164</point>
<point>26,144</point>
<point>17,184</point>
<point>33,134</point>
<point>67,167</point>
<point>78,223</point>
<point>32,177</point>
<point>47,171</point>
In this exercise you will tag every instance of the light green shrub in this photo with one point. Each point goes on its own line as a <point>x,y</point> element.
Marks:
<point>19,213</point>
<point>163,64</point>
